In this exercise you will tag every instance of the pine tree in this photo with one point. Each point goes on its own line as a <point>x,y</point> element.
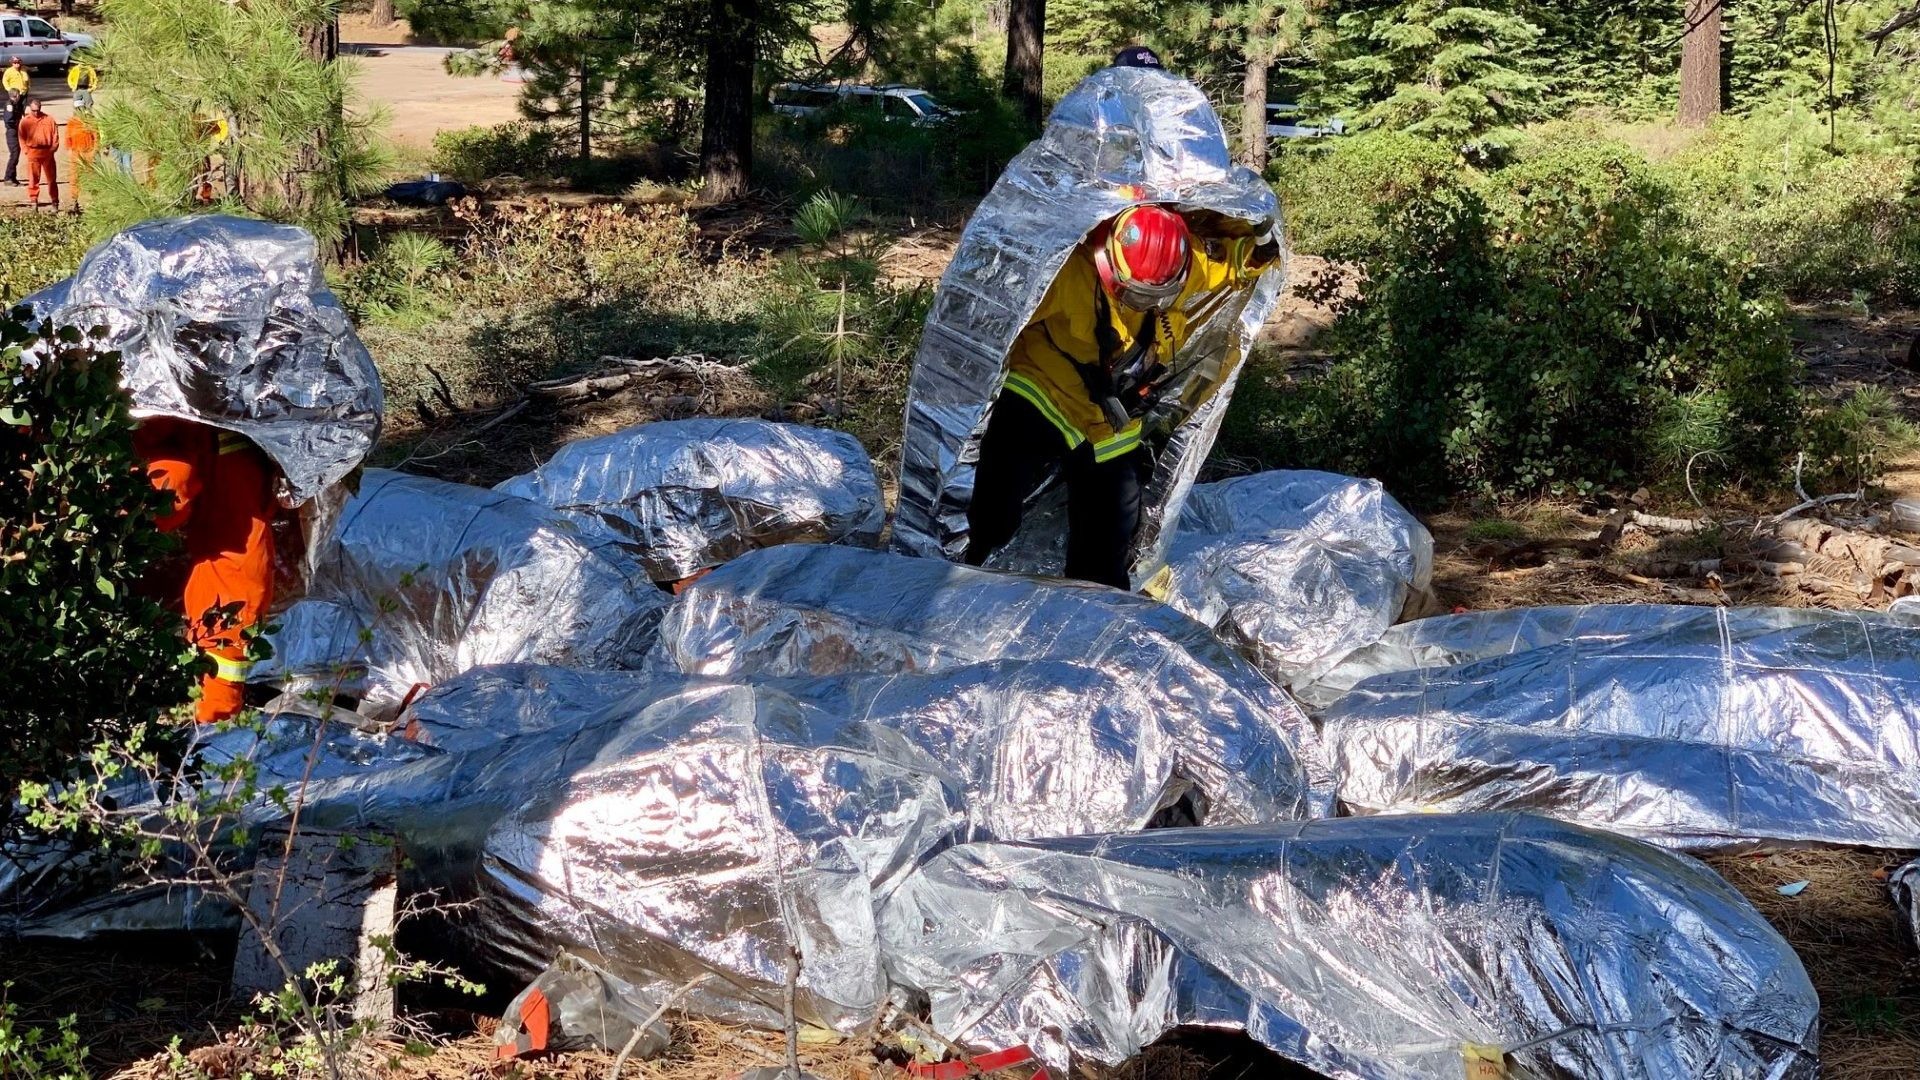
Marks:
<point>226,107</point>
<point>1430,68</point>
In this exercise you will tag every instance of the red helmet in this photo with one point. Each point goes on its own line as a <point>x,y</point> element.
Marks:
<point>1143,260</point>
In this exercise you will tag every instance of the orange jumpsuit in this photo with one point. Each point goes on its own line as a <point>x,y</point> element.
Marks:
<point>40,137</point>
<point>222,487</point>
<point>82,142</point>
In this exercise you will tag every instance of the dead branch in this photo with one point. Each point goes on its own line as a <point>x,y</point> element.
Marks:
<point>1657,523</point>
<point>619,372</point>
<point>1894,25</point>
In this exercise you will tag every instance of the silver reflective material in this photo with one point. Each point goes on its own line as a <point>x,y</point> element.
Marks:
<point>1693,727</point>
<point>685,495</point>
<point>725,822</point>
<point>1904,884</point>
<point>1124,136</point>
<point>1366,949</point>
<point>228,322</point>
<point>828,610</point>
<point>1297,569</point>
<point>425,579</point>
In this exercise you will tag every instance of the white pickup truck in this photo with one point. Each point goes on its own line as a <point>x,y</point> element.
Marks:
<point>37,42</point>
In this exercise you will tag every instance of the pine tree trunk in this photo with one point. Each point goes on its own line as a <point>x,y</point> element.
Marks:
<point>726,137</point>
<point>1253,109</point>
<point>1700,64</point>
<point>381,16</point>
<point>322,41</point>
<point>1025,78</point>
<point>586,111</point>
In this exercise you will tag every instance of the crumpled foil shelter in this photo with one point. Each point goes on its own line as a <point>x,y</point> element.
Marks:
<point>751,816</point>
<point>425,579</point>
<point>686,495</point>
<point>1366,949</point>
<point>1123,136</point>
<point>1692,727</point>
<point>229,322</point>
<point>810,609</point>
<point>1297,569</point>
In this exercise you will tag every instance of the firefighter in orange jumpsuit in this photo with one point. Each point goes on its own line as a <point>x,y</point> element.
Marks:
<point>223,508</point>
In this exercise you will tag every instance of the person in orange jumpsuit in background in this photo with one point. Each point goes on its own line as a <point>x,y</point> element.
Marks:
<point>82,143</point>
<point>40,139</point>
<point>223,507</point>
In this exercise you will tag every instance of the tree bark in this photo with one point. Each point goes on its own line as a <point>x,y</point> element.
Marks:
<point>1025,78</point>
<point>586,111</point>
<point>381,16</point>
<point>322,41</point>
<point>726,137</point>
<point>1700,64</point>
<point>1253,108</point>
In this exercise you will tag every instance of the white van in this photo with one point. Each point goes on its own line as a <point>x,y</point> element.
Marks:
<point>37,42</point>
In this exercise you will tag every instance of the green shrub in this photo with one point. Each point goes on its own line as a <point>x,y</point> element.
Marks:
<point>1816,223</point>
<point>86,654</point>
<point>37,1052</point>
<point>1849,442</point>
<point>1338,196</point>
<point>1535,332</point>
<point>37,250</point>
<point>515,148</point>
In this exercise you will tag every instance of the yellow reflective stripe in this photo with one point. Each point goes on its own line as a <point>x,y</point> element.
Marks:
<point>1108,449</point>
<point>232,443</point>
<point>1031,392</point>
<point>230,670</point>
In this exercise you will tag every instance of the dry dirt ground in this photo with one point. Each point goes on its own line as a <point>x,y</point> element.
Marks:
<point>133,999</point>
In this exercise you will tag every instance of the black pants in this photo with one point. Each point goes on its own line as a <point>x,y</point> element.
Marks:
<point>1017,452</point>
<point>13,156</point>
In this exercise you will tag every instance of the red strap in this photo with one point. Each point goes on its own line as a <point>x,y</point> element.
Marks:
<point>984,1063</point>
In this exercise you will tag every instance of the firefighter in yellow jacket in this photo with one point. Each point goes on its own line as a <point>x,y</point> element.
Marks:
<point>1098,368</point>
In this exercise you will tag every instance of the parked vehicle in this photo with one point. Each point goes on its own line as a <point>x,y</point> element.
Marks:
<point>1283,122</point>
<point>907,104</point>
<point>37,42</point>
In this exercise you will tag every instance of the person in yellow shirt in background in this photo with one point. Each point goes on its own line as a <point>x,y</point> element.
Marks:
<point>15,79</point>
<point>82,80</point>
<point>1100,357</point>
<point>83,142</point>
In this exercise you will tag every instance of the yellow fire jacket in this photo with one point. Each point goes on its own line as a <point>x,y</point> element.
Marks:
<point>1040,367</point>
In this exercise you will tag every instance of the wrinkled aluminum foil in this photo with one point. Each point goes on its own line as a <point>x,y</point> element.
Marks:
<point>425,579</point>
<point>229,322</point>
<point>1691,727</point>
<point>726,822</point>
<point>827,610</point>
<point>1365,949</point>
<point>1124,136</point>
<point>685,495</point>
<point>1297,570</point>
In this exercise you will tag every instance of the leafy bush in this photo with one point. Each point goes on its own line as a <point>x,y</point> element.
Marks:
<point>1339,196</point>
<point>39,1053</point>
<point>515,148</point>
<point>1814,222</point>
<point>86,654</point>
<point>1532,333</point>
<point>37,250</point>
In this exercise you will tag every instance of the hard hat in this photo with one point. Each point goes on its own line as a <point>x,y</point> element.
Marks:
<point>1143,259</point>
